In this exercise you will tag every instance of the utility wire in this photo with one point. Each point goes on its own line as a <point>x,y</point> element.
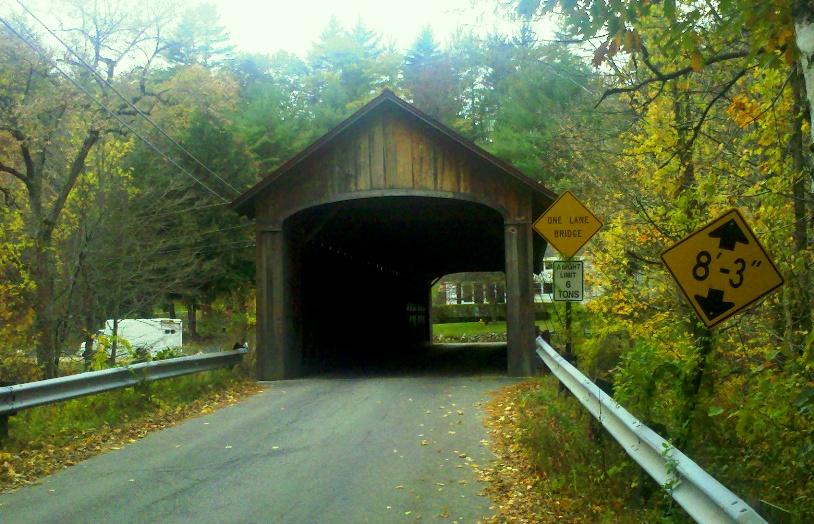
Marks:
<point>199,248</point>
<point>124,99</point>
<point>172,240</point>
<point>181,211</point>
<point>93,99</point>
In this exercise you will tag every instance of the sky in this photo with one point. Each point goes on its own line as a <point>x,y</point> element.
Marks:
<point>257,26</point>
<point>269,26</point>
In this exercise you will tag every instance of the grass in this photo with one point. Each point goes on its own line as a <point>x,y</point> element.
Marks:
<point>59,424</point>
<point>555,465</point>
<point>458,329</point>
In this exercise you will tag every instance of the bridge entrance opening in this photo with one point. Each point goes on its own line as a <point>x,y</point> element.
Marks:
<point>367,269</point>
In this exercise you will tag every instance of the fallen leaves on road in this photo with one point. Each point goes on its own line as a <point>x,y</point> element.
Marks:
<point>30,465</point>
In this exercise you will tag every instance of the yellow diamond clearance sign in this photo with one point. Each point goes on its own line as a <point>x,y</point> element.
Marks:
<point>567,224</point>
<point>722,268</point>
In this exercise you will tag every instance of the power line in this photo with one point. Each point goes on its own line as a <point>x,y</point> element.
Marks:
<point>124,99</point>
<point>93,99</point>
<point>180,211</point>
<point>241,243</point>
<point>171,240</point>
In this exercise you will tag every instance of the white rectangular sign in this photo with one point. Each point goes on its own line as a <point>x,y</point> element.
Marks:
<point>568,282</point>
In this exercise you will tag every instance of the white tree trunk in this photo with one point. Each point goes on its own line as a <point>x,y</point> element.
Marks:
<point>804,34</point>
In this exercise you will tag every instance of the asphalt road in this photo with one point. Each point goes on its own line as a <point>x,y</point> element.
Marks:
<point>367,444</point>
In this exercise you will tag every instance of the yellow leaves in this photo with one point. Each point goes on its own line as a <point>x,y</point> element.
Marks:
<point>696,61</point>
<point>743,110</point>
<point>631,41</point>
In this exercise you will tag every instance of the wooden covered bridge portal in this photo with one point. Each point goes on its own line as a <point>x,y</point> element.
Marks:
<point>352,231</point>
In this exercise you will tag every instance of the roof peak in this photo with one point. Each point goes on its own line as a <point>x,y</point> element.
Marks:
<point>240,204</point>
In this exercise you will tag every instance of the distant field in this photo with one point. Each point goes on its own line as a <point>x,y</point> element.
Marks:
<point>457,329</point>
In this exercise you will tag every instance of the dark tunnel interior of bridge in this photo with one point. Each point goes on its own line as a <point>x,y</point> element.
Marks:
<point>365,283</point>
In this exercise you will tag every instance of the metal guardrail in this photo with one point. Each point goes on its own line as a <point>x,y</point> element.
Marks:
<point>32,394</point>
<point>705,499</point>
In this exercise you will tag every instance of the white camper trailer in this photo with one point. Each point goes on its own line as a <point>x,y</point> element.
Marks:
<point>146,334</point>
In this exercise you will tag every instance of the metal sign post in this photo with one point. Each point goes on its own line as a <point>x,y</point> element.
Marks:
<point>568,287</point>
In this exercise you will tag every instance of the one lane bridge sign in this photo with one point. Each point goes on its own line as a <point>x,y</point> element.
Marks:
<point>722,268</point>
<point>568,281</point>
<point>567,225</point>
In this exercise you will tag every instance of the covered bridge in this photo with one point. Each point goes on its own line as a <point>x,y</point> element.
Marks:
<point>353,230</point>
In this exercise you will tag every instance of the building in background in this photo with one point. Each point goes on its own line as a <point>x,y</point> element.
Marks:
<point>490,288</point>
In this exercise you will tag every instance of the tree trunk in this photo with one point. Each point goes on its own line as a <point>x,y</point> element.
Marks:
<point>45,321</point>
<point>192,319</point>
<point>800,324</point>
<point>692,383</point>
<point>701,336</point>
<point>803,13</point>
<point>87,354</point>
<point>43,223</point>
<point>114,343</point>
<point>171,309</point>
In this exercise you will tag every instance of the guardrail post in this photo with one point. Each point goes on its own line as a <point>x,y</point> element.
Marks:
<point>4,427</point>
<point>4,417</point>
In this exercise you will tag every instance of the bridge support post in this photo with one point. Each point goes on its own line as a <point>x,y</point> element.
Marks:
<point>279,345</point>
<point>519,298</point>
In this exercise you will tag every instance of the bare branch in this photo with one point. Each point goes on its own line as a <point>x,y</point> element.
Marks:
<point>633,255</point>
<point>77,166</point>
<point>697,128</point>
<point>22,141</point>
<point>11,171</point>
<point>664,77</point>
<point>651,221</point>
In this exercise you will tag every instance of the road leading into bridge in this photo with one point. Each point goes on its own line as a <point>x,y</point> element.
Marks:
<point>367,444</point>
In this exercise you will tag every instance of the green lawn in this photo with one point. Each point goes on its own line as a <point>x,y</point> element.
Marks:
<point>457,329</point>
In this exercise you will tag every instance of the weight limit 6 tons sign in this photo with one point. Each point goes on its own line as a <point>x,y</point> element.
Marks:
<point>568,281</point>
<point>722,268</point>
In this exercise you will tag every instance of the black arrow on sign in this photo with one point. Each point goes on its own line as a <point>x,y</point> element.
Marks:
<point>713,305</point>
<point>729,234</point>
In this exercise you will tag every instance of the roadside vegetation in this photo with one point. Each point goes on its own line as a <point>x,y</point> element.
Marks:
<point>45,439</point>
<point>554,465</point>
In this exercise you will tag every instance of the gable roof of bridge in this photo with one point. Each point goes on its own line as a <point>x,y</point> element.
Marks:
<point>244,203</point>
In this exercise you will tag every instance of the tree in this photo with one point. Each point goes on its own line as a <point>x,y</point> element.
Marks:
<point>272,117</point>
<point>546,114</point>
<point>430,78</point>
<point>52,129</point>
<point>347,69</point>
<point>199,39</point>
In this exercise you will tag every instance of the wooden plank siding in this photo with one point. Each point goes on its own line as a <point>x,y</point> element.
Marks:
<point>391,152</point>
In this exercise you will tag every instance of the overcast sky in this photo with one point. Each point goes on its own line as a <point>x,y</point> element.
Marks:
<point>294,25</point>
<point>268,26</point>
